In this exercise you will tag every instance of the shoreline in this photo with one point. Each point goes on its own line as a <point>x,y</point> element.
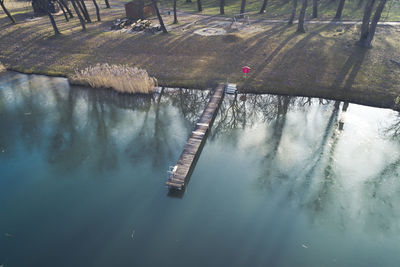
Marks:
<point>253,92</point>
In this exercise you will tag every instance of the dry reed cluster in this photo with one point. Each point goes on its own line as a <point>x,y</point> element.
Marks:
<point>121,78</point>
<point>2,68</point>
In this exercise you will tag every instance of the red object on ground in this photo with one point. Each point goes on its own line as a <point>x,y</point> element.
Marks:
<point>246,69</point>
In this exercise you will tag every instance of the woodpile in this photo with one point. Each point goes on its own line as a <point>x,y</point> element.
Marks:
<point>135,25</point>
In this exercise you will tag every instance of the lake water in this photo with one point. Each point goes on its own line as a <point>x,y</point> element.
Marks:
<point>82,176</point>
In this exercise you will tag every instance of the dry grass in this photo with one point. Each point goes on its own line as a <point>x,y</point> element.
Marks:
<point>2,68</point>
<point>121,78</point>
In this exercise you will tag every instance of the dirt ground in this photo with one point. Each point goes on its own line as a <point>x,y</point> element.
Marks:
<point>324,62</point>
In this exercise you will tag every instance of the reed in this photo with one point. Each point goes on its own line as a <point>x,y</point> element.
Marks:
<point>2,68</point>
<point>121,78</point>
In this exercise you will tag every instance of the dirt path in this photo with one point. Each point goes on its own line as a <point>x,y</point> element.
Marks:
<point>268,21</point>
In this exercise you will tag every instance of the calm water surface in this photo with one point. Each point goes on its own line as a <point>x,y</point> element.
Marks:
<point>82,177</point>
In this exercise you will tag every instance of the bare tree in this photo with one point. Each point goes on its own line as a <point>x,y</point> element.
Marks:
<point>63,11</point>
<point>175,16</point>
<point>46,7</point>
<point>339,9</point>
<point>64,4</point>
<point>199,7</point>
<point>159,16</point>
<point>7,12</point>
<point>81,20</point>
<point>300,27</point>
<point>107,4</point>
<point>141,6</point>
<point>52,21</point>
<point>243,6</point>
<point>315,9</point>
<point>97,10</point>
<point>264,6</point>
<point>85,11</point>
<point>221,7</point>
<point>293,14</point>
<point>368,28</point>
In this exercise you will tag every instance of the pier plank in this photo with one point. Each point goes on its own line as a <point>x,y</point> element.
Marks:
<point>192,148</point>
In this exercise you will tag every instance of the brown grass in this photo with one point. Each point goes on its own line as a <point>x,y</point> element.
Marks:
<point>121,78</point>
<point>2,68</point>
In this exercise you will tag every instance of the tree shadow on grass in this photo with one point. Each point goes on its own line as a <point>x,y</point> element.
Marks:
<point>347,75</point>
<point>263,37</point>
<point>290,53</point>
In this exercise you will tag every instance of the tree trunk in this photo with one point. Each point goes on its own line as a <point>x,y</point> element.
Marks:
<point>97,10</point>
<point>264,6</point>
<point>86,11</point>
<point>65,4</point>
<point>300,27</point>
<point>6,11</point>
<point>82,11</point>
<point>53,22</point>
<point>188,1</point>
<point>63,10</point>
<point>159,17</point>
<point>107,4</point>
<point>243,7</point>
<point>293,14</point>
<point>339,10</point>
<point>221,7</point>
<point>374,23</point>
<point>315,9</point>
<point>365,21</point>
<point>199,7</point>
<point>79,15</point>
<point>141,6</point>
<point>175,16</point>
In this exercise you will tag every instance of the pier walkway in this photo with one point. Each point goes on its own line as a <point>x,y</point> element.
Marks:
<point>180,173</point>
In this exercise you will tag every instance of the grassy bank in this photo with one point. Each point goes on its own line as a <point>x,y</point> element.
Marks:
<point>324,62</point>
<point>280,9</point>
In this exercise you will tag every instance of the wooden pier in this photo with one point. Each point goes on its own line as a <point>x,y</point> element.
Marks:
<point>180,173</point>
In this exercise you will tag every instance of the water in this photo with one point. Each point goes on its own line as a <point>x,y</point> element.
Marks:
<point>277,184</point>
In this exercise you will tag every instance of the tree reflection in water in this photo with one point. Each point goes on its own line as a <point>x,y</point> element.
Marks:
<point>302,150</point>
<point>85,127</point>
<point>303,156</point>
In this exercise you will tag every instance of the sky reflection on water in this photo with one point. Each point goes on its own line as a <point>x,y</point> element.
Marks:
<point>277,184</point>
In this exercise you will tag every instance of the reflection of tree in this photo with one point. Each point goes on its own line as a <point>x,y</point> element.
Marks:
<point>314,185</point>
<point>377,188</point>
<point>278,111</point>
<point>393,132</point>
<point>318,163</point>
<point>244,111</point>
<point>394,129</point>
<point>328,135</point>
<point>76,127</point>
<point>319,199</point>
<point>232,114</point>
<point>190,104</point>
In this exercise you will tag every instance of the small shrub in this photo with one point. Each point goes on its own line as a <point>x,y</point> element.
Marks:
<point>232,38</point>
<point>121,78</point>
<point>397,103</point>
<point>2,68</point>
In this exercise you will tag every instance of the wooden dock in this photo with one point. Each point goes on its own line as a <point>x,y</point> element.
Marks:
<point>180,174</point>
